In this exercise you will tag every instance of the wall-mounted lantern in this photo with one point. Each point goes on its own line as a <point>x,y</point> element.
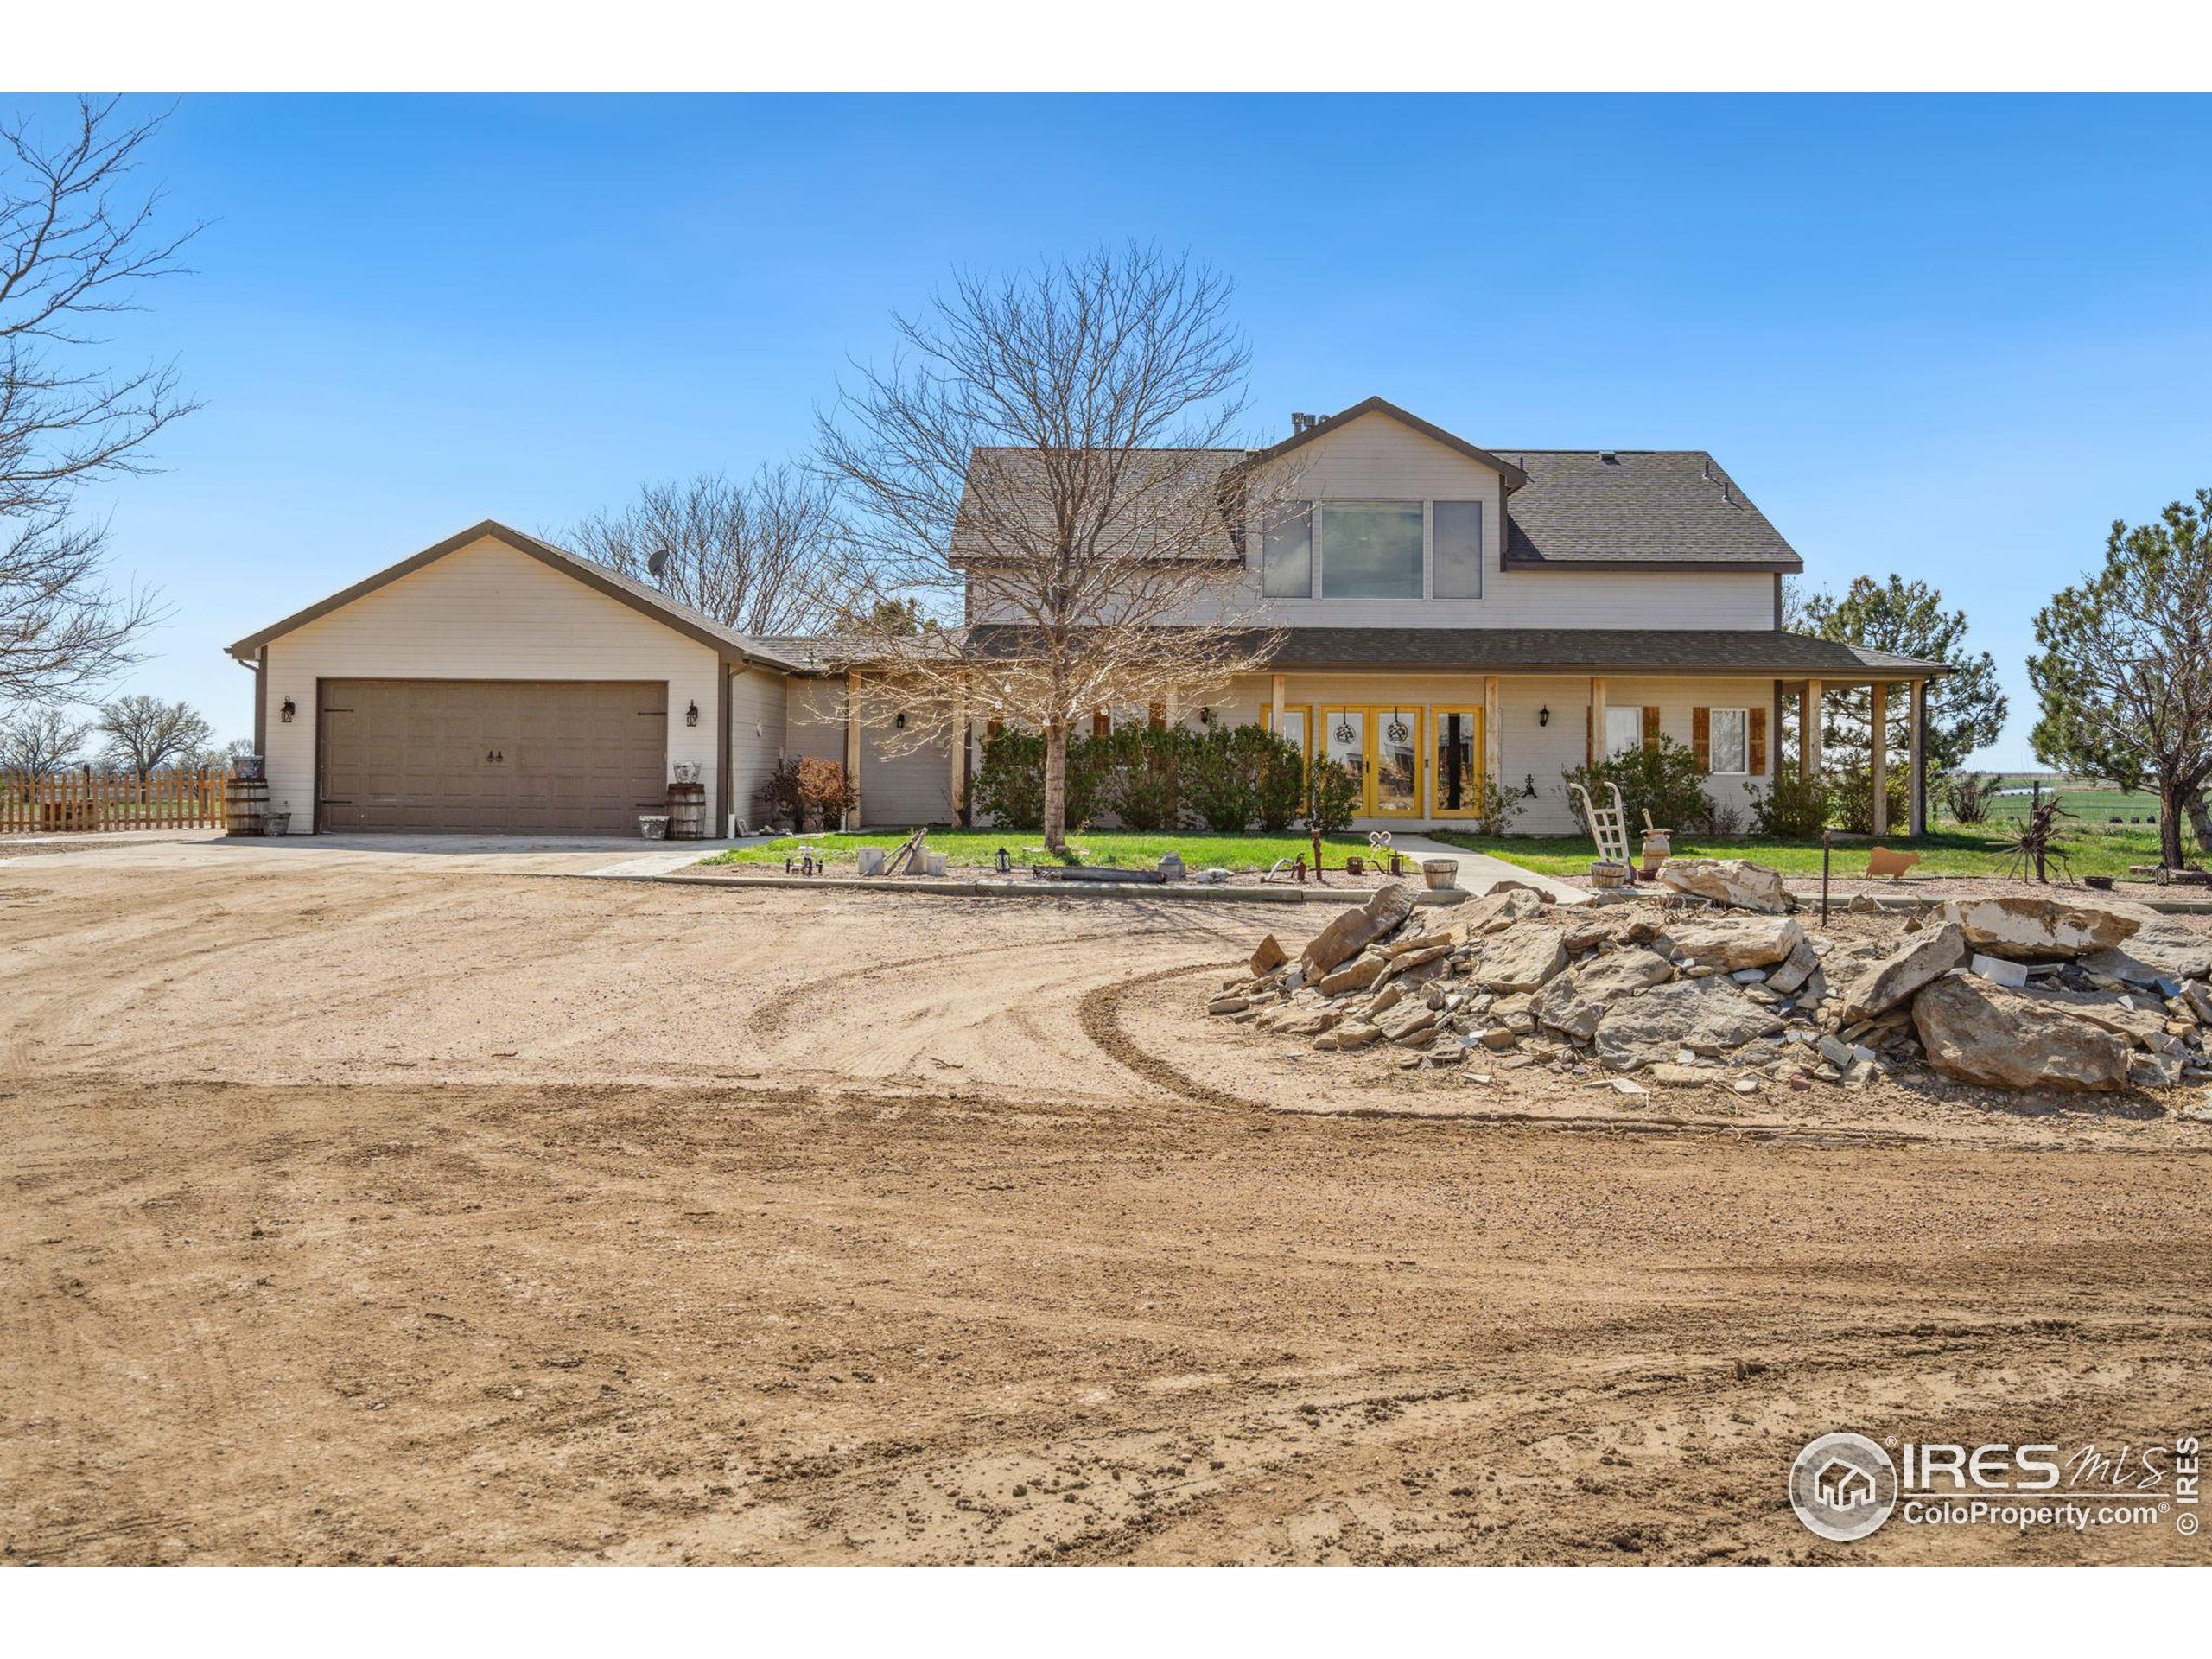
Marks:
<point>691,715</point>
<point>287,710</point>
<point>1544,715</point>
<point>901,722</point>
<point>1006,864</point>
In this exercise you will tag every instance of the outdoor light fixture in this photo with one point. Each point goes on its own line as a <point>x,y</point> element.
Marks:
<point>286,713</point>
<point>691,715</point>
<point>1205,717</point>
<point>1544,715</point>
<point>1006,864</point>
<point>901,722</point>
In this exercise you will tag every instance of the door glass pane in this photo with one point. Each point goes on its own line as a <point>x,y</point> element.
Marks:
<point>1370,549</point>
<point>1287,553</point>
<point>1455,759</point>
<point>1397,760</point>
<point>1458,548</point>
<point>1347,739</point>
<point>1293,728</point>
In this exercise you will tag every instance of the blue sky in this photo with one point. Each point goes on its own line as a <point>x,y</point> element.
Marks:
<point>1953,338</point>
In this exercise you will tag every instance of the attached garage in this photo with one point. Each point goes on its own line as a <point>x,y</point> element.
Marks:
<point>491,756</point>
<point>495,684</point>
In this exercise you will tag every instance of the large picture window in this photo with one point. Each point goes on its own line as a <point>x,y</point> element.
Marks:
<point>1458,538</point>
<point>1286,552</point>
<point>1370,549</point>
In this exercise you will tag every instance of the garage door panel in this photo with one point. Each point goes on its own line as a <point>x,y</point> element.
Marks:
<point>538,757</point>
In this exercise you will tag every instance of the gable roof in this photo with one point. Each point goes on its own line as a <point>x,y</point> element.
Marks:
<point>727,642</point>
<point>1637,510</point>
<point>1329,423</point>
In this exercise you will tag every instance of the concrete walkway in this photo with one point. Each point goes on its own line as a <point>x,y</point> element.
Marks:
<point>1479,872</point>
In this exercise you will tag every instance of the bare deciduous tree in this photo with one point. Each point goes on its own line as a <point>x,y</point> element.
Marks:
<point>75,244</point>
<point>143,732</point>
<point>40,740</point>
<point>1051,458</point>
<point>766,556</point>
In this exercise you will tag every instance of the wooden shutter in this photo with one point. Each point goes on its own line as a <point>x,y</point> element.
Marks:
<point>1156,716</point>
<point>1758,743</point>
<point>1650,726</point>
<point>1701,737</point>
<point>1102,724</point>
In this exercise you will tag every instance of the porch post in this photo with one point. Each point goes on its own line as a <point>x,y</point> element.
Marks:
<point>1878,734</point>
<point>959,747</point>
<point>1809,731</point>
<point>1594,739</point>
<point>1493,751</point>
<point>1274,704</point>
<point>1918,693</point>
<point>852,819</point>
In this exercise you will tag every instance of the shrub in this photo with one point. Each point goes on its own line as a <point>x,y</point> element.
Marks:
<point>1661,776</point>
<point>807,794</point>
<point>1721,818</point>
<point>1220,779</point>
<point>1278,790</point>
<point>1793,808</point>
<point>1968,796</point>
<point>1009,783</point>
<point>1333,797</point>
<point>1144,789</point>
<point>1494,807</point>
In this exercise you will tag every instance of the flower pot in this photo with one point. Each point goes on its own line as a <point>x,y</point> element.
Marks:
<point>653,826</point>
<point>277,823</point>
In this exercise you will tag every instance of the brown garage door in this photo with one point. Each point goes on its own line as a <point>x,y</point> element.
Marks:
<point>492,756</point>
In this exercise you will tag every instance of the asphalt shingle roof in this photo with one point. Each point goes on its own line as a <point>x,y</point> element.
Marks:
<point>1638,508</point>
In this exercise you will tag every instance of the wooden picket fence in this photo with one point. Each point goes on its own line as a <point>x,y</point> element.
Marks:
<point>178,797</point>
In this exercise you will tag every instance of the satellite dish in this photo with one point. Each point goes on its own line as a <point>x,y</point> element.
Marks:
<point>657,563</point>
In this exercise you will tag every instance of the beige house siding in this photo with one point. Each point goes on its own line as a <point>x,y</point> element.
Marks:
<point>485,611</point>
<point>1375,458</point>
<point>756,700</point>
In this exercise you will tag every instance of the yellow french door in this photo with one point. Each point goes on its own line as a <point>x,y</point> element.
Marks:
<point>1456,771</point>
<point>1383,745</point>
<point>1296,719</point>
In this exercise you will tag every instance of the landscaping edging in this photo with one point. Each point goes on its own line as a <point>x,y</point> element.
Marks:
<point>958,888</point>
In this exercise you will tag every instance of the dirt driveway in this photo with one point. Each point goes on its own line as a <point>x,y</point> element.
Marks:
<point>368,1207</point>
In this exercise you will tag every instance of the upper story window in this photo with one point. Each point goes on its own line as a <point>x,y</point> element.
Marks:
<point>1458,535</point>
<point>1373,549</point>
<point>1370,549</point>
<point>1287,553</point>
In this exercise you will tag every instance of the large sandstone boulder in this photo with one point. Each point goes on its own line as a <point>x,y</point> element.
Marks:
<point>1922,958</point>
<point>1352,932</point>
<point>1355,975</point>
<point>1495,912</point>
<point>2028,928</point>
<point>1735,882</point>
<point>2161,945</point>
<point>1980,1033</point>
<point>1706,1016</point>
<point>1574,1003</point>
<point>1734,942</point>
<point>1520,960</point>
<point>1267,957</point>
<point>2144,1028</point>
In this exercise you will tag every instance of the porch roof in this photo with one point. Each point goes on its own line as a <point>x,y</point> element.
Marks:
<point>1594,651</point>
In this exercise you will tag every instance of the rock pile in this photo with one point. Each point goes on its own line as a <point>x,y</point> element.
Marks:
<point>2012,992</point>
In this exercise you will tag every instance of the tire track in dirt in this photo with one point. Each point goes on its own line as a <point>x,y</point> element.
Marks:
<point>1099,1014</point>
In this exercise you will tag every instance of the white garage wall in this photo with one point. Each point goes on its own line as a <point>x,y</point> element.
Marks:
<point>757,715</point>
<point>485,612</point>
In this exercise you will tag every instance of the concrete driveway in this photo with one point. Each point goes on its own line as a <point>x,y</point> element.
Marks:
<point>506,855</point>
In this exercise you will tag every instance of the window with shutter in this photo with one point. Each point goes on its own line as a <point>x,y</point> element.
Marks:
<point>1701,737</point>
<point>1758,743</point>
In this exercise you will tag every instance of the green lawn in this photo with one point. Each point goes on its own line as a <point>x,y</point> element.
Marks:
<point>2094,807</point>
<point>978,848</point>
<point>2091,850</point>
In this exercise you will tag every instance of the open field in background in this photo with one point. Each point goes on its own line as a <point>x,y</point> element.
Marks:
<point>2092,804</point>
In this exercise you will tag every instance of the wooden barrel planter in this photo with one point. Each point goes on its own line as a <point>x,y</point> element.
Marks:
<point>245,806</point>
<point>687,811</point>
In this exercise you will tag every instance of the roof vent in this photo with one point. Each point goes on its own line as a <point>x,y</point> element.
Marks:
<point>1609,457</point>
<point>1708,465</point>
<point>1301,422</point>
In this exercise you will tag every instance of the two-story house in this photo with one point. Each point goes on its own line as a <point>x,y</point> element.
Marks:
<point>1443,610</point>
